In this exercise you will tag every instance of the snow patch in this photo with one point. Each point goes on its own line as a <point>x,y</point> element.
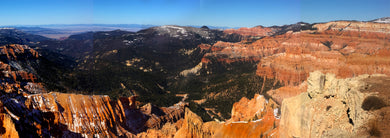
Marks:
<point>276,111</point>
<point>240,122</point>
<point>258,120</point>
<point>382,20</point>
<point>193,70</point>
<point>11,114</point>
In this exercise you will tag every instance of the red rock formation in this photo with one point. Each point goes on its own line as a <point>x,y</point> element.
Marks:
<point>264,127</point>
<point>193,126</point>
<point>286,91</point>
<point>99,116</point>
<point>252,118</point>
<point>345,48</point>
<point>7,127</point>
<point>262,119</point>
<point>258,31</point>
<point>73,115</point>
<point>238,52</point>
<point>41,114</point>
<point>15,53</point>
<point>331,107</point>
<point>18,52</point>
<point>241,112</point>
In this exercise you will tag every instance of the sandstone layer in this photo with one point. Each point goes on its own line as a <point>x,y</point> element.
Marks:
<point>262,119</point>
<point>344,48</point>
<point>73,115</point>
<point>7,127</point>
<point>27,110</point>
<point>258,31</point>
<point>334,107</point>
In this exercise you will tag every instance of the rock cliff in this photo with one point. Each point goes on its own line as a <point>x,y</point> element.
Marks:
<point>345,48</point>
<point>258,31</point>
<point>27,110</point>
<point>7,127</point>
<point>331,107</point>
<point>262,119</point>
<point>60,114</point>
<point>334,107</point>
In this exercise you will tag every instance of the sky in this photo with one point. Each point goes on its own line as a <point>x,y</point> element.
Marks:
<point>228,13</point>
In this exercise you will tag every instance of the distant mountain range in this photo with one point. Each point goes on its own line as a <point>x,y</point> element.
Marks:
<point>382,20</point>
<point>61,31</point>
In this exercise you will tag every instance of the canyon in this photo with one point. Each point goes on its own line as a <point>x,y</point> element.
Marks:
<point>301,80</point>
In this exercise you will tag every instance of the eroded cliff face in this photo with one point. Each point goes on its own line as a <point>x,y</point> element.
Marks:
<point>331,107</point>
<point>344,48</point>
<point>261,119</point>
<point>258,31</point>
<point>334,107</point>
<point>74,115</point>
<point>193,126</point>
<point>28,110</point>
<point>7,127</point>
<point>12,73</point>
<point>258,117</point>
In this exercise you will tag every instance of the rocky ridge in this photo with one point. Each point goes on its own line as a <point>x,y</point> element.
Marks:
<point>258,31</point>
<point>261,120</point>
<point>28,110</point>
<point>345,48</point>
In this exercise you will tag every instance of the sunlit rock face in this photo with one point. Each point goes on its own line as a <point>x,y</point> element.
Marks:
<point>345,48</point>
<point>258,31</point>
<point>7,127</point>
<point>334,107</point>
<point>28,110</point>
<point>262,119</point>
<point>12,72</point>
<point>60,114</point>
<point>98,115</point>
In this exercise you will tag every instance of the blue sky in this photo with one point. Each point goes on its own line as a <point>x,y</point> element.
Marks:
<point>237,13</point>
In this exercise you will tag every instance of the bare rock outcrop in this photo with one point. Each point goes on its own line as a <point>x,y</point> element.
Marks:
<point>331,107</point>
<point>258,31</point>
<point>262,119</point>
<point>7,127</point>
<point>258,107</point>
<point>27,110</point>
<point>257,117</point>
<point>193,126</point>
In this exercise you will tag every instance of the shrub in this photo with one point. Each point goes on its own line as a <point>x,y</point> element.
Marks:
<point>328,44</point>
<point>373,103</point>
<point>373,129</point>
